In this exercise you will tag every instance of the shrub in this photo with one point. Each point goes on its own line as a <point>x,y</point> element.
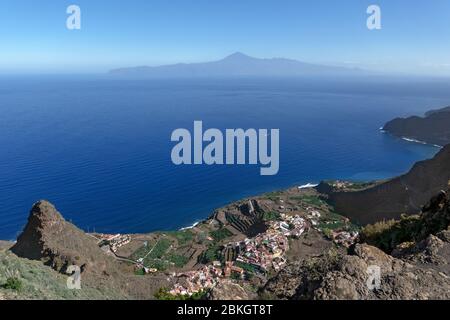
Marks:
<point>178,260</point>
<point>271,216</point>
<point>13,283</point>
<point>221,234</point>
<point>182,236</point>
<point>213,253</point>
<point>386,235</point>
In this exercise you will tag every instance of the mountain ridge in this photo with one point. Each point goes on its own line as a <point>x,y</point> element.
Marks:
<point>432,128</point>
<point>405,194</point>
<point>236,64</point>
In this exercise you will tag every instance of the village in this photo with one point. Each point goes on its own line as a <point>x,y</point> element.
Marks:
<point>256,256</point>
<point>244,259</point>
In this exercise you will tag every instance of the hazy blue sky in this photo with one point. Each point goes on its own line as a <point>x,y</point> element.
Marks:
<point>415,35</point>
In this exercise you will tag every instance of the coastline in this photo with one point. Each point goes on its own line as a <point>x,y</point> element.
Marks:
<point>308,185</point>
<point>382,130</point>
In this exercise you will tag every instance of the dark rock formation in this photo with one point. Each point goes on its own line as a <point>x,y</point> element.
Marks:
<point>402,195</point>
<point>434,128</point>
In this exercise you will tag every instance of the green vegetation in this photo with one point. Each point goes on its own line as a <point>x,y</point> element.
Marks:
<point>139,272</point>
<point>333,225</point>
<point>360,185</point>
<point>159,256</point>
<point>159,249</point>
<point>220,234</point>
<point>236,276</point>
<point>327,232</point>
<point>213,253</point>
<point>13,283</point>
<point>274,196</point>
<point>248,268</point>
<point>183,236</point>
<point>309,199</point>
<point>386,235</point>
<point>160,265</point>
<point>155,254</point>
<point>163,294</point>
<point>411,229</point>
<point>271,216</point>
<point>178,260</point>
<point>38,281</point>
<point>330,221</point>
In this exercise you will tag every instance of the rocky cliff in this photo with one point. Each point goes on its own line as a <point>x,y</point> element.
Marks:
<point>52,241</point>
<point>58,243</point>
<point>417,269</point>
<point>388,200</point>
<point>433,128</point>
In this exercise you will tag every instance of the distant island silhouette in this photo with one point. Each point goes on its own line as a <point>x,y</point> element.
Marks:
<point>239,64</point>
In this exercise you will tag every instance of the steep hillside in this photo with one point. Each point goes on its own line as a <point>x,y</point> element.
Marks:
<point>417,269</point>
<point>58,243</point>
<point>50,242</point>
<point>37,281</point>
<point>388,200</point>
<point>434,128</point>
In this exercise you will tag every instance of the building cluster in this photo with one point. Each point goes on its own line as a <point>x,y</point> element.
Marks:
<point>231,268</point>
<point>313,216</point>
<point>344,238</point>
<point>114,241</point>
<point>267,250</point>
<point>197,281</point>
<point>341,237</point>
<point>291,226</point>
<point>261,253</point>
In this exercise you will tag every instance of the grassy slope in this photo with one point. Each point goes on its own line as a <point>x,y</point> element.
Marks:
<point>41,282</point>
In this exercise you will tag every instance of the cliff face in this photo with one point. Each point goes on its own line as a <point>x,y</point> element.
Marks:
<point>434,128</point>
<point>404,194</point>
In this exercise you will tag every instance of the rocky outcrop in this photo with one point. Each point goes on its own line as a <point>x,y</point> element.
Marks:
<point>388,235</point>
<point>58,243</point>
<point>418,268</point>
<point>49,238</point>
<point>405,194</point>
<point>434,128</point>
<point>347,277</point>
<point>228,290</point>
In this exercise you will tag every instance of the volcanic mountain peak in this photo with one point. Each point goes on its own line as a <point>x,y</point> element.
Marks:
<point>50,238</point>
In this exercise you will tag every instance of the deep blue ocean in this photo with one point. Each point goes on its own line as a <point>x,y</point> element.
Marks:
<point>99,148</point>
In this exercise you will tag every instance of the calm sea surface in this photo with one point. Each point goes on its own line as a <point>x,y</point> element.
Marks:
<point>99,148</point>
